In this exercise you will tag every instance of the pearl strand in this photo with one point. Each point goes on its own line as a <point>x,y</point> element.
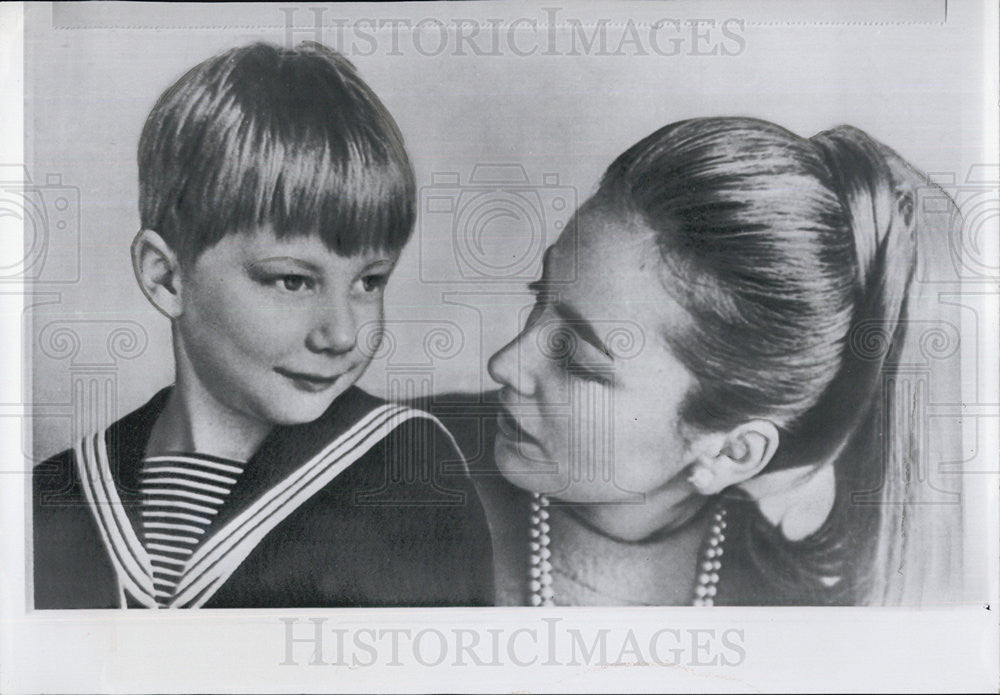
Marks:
<point>540,579</point>
<point>711,562</point>
<point>540,570</point>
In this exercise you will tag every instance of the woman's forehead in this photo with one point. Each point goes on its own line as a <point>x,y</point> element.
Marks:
<point>609,268</point>
<point>600,245</point>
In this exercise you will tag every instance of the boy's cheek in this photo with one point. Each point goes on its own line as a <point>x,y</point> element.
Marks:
<point>371,336</point>
<point>371,331</point>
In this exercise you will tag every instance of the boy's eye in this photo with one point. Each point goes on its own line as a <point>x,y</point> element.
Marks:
<point>374,282</point>
<point>295,283</point>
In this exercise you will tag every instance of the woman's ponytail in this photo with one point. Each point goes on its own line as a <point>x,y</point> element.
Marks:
<point>879,193</point>
<point>880,216</point>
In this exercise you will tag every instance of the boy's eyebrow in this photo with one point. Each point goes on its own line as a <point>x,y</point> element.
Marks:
<point>291,259</point>
<point>382,261</point>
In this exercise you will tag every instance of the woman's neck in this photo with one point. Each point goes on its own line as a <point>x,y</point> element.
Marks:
<point>657,513</point>
<point>593,567</point>
<point>193,420</point>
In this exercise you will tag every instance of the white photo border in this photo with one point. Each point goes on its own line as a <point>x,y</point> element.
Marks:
<point>488,650</point>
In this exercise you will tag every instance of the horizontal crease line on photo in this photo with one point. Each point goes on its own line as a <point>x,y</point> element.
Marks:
<point>900,23</point>
<point>503,25</point>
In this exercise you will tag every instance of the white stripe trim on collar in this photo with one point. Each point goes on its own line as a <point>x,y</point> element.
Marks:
<point>215,561</point>
<point>126,552</point>
<point>212,565</point>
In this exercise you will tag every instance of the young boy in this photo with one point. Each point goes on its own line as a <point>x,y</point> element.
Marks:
<point>275,197</point>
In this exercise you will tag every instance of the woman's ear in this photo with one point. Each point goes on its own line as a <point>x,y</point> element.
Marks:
<point>734,457</point>
<point>158,272</point>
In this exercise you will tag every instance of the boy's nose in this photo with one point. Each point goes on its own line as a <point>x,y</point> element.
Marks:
<point>336,332</point>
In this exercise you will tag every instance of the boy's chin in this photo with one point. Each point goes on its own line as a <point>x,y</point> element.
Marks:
<point>293,406</point>
<point>303,409</point>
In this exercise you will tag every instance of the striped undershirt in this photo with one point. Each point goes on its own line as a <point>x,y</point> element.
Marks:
<point>182,495</point>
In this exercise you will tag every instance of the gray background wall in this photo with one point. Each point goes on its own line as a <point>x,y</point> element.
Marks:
<point>557,117</point>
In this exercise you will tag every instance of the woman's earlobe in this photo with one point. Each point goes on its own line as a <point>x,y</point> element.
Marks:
<point>735,457</point>
<point>702,479</point>
<point>157,271</point>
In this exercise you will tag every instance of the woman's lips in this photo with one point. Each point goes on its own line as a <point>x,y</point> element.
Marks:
<point>311,383</point>
<point>510,429</point>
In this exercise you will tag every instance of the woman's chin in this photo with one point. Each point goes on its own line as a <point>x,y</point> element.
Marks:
<point>524,465</point>
<point>521,464</point>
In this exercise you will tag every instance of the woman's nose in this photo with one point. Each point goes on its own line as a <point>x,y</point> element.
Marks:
<point>508,367</point>
<point>336,331</point>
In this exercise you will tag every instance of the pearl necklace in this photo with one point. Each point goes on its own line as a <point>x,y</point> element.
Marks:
<point>711,562</point>
<point>540,569</point>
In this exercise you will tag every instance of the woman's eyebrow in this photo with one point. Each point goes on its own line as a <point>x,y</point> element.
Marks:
<point>570,316</point>
<point>581,326</point>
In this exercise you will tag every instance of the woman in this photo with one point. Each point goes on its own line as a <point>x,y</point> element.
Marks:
<point>704,405</point>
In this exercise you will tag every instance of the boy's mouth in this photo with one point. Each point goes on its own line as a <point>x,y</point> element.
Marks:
<point>312,383</point>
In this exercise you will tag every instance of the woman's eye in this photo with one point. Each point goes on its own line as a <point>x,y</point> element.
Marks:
<point>295,283</point>
<point>586,373</point>
<point>373,283</point>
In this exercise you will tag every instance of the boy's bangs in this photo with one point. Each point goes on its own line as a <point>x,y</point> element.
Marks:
<point>293,141</point>
<point>339,180</point>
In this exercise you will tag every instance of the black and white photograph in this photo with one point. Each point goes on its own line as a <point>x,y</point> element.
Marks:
<point>500,346</point>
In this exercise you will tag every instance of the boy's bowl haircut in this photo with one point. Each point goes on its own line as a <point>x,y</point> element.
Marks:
<point>290,139</point>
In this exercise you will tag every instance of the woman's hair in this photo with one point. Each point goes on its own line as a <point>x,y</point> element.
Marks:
<point>792,258</point>
<point>261,136</point>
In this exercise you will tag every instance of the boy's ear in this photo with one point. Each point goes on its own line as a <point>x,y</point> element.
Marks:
<point>734,457</point>
<point>158,272</point>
